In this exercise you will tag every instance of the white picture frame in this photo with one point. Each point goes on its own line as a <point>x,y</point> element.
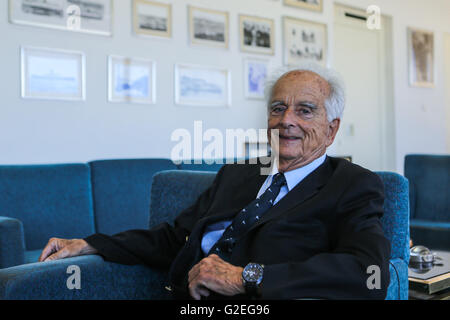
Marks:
<point>152,18</point>
<point>131,80</point>
<point>256,72</point>
<point>87,16</point>
<point>257,35</point>
<point>304,41</point>
<point>53,74</point>
<point>202,86</point>
<point>208,27</point>
<point>421,58</point>
<point>314,5</point>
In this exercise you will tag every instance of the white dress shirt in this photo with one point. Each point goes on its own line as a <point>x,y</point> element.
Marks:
<point>293,177</point>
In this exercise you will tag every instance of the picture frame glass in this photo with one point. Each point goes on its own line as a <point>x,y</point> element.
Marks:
<point>304,41</point>
<point>255,75</point>
<point>89,16</point>
<point>421,58</point>
<point>257,35</point>
<point>202,86</point>
<point>53,74</point>
<point>152,18</point>
<point>131,80</point>
<point>208,27</point>
<point>315,5</point>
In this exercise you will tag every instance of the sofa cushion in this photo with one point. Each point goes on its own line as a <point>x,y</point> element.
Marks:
<point>49,200</point>
<point>121,191</point>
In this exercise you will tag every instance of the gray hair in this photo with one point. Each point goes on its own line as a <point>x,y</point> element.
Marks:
<point>335,102</point>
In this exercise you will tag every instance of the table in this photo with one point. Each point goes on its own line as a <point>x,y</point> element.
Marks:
<point>431,284</point>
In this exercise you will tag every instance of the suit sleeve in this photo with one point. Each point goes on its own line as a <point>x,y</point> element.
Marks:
<point>359,242</point>
<point>158,246</point>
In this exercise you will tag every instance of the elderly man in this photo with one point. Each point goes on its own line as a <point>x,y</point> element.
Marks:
<point>310,229</point>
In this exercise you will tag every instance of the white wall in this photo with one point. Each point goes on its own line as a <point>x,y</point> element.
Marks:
<point>56,132</point>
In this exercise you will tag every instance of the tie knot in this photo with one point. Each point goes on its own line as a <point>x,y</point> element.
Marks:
<point>278,180</point>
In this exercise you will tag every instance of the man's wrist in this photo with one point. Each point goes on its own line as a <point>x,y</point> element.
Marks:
<point>87,248</point>
<point>240,282</point>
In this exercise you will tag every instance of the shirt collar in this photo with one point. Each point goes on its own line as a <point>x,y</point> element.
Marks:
<point>294,177</point>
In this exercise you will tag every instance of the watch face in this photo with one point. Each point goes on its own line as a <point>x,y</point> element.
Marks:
<point>253,272</point>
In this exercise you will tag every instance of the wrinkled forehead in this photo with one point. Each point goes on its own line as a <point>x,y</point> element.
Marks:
<point>302,82</point>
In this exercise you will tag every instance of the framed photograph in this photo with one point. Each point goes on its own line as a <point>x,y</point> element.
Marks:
<point>304,41</point>
<point>131,80</point>
<point>257,35</point>
<point>53,74</point>
<point>202,86</point>
<point>208,27</point>
<point>152,18</point>
<point>255,75</point>
<point>421,58</point>
<point>91,16</point>
<point>315,5</point>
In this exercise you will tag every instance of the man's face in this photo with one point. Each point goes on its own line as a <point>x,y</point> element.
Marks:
<point>297,110</point>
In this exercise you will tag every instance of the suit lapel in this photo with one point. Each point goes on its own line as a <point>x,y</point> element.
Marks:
<point>246,190</point>
<point>303,191</point>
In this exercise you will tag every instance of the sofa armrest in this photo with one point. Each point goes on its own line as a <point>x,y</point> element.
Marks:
<point>12,242</point>
<point>98,280</point>
<point>398,286</point>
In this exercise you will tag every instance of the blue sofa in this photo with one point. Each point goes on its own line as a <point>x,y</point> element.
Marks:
<point>429,178</point>
<point>74,200</point>
<point>171,192</point>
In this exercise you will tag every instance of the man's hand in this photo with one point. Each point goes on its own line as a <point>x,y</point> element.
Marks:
<point>212,273</point>
<point>61,248</point>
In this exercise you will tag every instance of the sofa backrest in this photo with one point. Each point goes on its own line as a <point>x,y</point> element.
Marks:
<point>201,165</point>
<point>174,191</point>
<point>395,220</point>
<point>50,200</point>
<point>121,192</point>
<point>429,177</point>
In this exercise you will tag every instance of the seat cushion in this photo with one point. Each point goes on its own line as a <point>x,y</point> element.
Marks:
<point>121,191</point>
<point>49,200</point>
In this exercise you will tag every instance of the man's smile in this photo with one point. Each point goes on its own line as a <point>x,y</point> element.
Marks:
<point>289,137</point>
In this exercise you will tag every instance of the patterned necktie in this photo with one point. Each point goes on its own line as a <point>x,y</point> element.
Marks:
<point>247,217</point>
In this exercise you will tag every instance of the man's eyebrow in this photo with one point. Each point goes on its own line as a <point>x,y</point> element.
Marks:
<point>307,104</point>
<point>277,103</point>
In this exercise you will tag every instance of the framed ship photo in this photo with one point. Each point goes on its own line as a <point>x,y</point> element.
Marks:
<point>315,5</point>
<point>152,18</point>
<point>208,27</point>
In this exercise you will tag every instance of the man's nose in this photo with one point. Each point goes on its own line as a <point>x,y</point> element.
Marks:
<point>289,118</point>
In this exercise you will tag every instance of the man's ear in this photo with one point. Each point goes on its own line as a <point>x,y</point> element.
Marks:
<point>333,128</point>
